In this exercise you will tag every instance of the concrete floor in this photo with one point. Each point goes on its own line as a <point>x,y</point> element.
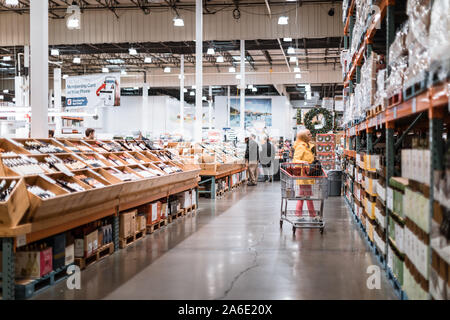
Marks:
<point>234,249</point>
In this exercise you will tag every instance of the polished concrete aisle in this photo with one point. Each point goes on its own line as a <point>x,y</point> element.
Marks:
<point>233,249</point>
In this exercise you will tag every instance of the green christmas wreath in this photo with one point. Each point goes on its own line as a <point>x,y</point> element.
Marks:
<point>318,121</point>
<point>299,116</point>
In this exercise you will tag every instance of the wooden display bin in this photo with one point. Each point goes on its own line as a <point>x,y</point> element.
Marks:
<point>10,146</point>
<point>55,143</point>
<point>69,179</point>
<point>96,156</point>
<point>108,176</point>
<point>113,159</point>
<point>41,209</point>
<point>10,172</point>
<point>72,157</point>
<point>151,155</point>
<point>93,144</point>
<point>82,145</point>
<point>12,210</point>
<point>125,155</point>
<point>138,156</point>
<point>118,147</point>
<point>154,167</point>
<point>69,146</point>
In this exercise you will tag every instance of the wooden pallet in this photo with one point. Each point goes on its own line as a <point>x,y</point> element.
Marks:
<point>157,225</point>
<point>25,289</point>
<point>191,209</point>
<point>179,214</point>
<point>374,111</point>
<point>101,253</point>
<point>138,235</point>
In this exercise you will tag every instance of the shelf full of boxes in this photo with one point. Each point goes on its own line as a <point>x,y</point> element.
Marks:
<point>397,117</point>
<point>66,201</point>
<point>222,165</point>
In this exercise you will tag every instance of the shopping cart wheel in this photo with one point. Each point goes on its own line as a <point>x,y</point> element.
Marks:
<point>321,230</point>
<point>281,224</point>
<point>293,230</point>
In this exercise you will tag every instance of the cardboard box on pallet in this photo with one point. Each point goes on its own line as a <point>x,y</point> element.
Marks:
<point>33,264</point>
<point>69,256</point>
<point>185,199</point>
<point>127,224</point>
<point>58,244</point>
<point>164,210</point>
<point>174,207</point>
<point>86,246</point>
<point>154,213</point>
<point>141,222</point>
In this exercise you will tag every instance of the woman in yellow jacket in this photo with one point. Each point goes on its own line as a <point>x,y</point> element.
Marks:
<point>304,154</point>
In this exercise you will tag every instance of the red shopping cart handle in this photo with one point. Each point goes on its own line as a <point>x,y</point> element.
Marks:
<point>304,165</point>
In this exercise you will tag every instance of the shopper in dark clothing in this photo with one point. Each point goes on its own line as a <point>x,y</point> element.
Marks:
<point>268,159</point>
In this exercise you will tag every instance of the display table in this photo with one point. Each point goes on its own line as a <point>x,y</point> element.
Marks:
<point>208,177</point>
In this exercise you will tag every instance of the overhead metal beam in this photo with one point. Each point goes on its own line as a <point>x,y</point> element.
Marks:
<point>284,54</point>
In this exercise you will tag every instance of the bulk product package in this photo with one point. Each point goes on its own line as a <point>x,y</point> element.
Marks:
<point>439,37</point>
<point>398,61</point>
<point>419,13</point>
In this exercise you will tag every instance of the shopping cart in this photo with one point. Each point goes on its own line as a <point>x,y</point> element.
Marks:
<point>307,182</point>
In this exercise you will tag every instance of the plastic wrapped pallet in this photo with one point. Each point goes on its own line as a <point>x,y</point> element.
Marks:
<point>419,13</point>
<point>345,62</point>
<point>439,35</point>
<point>380,94</point>
<point>345,5</point>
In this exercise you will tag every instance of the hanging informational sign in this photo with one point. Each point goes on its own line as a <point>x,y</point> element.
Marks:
<point>94,90</point>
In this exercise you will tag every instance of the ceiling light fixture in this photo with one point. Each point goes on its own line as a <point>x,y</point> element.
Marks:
<point>105,70</point>
<point>2,97</point>
<point>12,2</point>
<point>167,69</point>
<point>232,69</point>
<point>210,51</point>
<point>6,91</point>
<point>296,69</point>
<point>291,50</point>
<point>238,76</point>
<point>194,87</point>
<point>192,93</point>
<point>123,72</point>
<point>219,59</point>
<point>148,60</point>
<point>7,58</point>
<point>65,76</point>
<point>254,89</point>
<point>132,51</point>
<point>298,76</point>
<point>287,39</point>
<point>185,90</point>
<point>178,22</point>
<point>77,60</point>
<point>283,20</point>
<point>293,59</point>
<point>54,52</point>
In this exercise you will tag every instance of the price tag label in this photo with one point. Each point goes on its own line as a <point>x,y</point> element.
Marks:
<point>21,240</point>
<point>414,105</point>
<point>395,112</point>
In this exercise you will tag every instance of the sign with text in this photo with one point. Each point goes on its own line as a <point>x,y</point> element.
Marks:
<point>95,90</point>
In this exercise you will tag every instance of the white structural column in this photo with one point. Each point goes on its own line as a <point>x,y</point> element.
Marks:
<point>57,99</point>
<point>146,119</point>
<point>182,95</point>
<point>228,107</point>
<point>198,70</point>
<point>39,68</point>
<point>242,86</point>
<point>210,101</point>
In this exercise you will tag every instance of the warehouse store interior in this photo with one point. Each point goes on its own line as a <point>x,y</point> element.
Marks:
<point>271,150</point>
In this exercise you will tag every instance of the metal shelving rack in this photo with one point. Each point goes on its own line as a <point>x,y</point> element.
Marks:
<point>434,102</point>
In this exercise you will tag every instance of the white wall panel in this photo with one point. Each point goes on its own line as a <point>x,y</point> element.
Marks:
<point>133,26</point>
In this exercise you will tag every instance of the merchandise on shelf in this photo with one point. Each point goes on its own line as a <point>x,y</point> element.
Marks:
<point>398,61</point>
<point>439,33</point>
